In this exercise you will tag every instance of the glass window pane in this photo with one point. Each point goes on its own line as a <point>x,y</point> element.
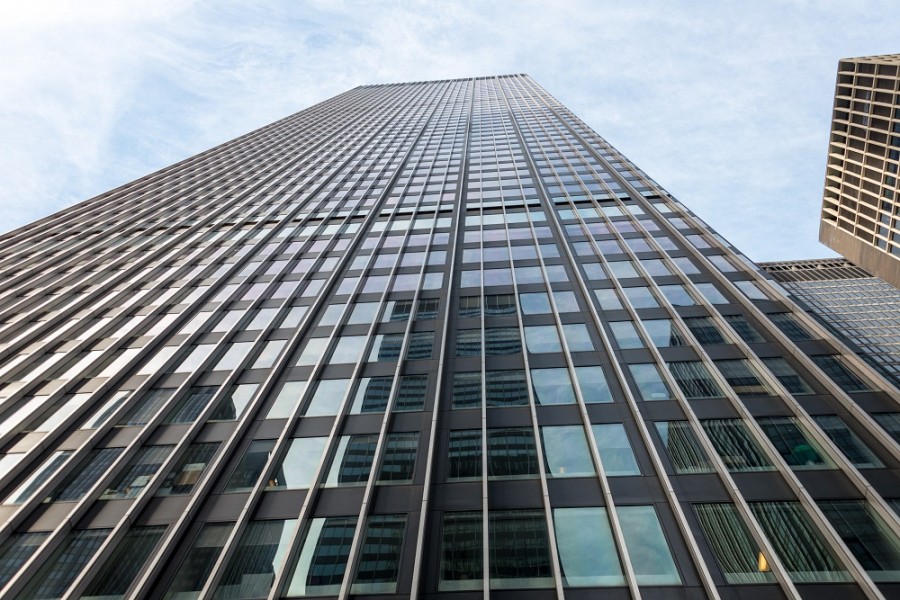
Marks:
<point>286,400</point>
<point>519,550</point>
<point>790,327</point>
<point>299,464</point>
<point>121,569</point>
<point>506,388</point>
<point>744,329</point>
<point>706,331</point>
<point>137,474</point>
<point>372,395</point>
<point>798,543</point>
<point>323,558</point>
<point>663,333</point>
<point>188,470</point>
<point>650,556</point>
<point>511,453</point>
<point>378,565</point>
<point>190,407</point>
<point>694,380</point>
<point>677,295</point>
<point>552,386</point>
<point>739,557</point>
<point>793,443</point>
<point>566,452</point>
<point>640,297</point>
<point>62,567</point>
<point>626,335</point>
<point>649,382</point>
<point>587,551</point>
<point>500,341</point>
<point>466,390</point>
<point>577,337</point>
<point>34,481</point>
<point>873,544</point>
<point>85,475</point>
<point>607,299</point>
<point>739,451</point>
<point>835,368</point>
<point>353,460</point>
<point>251,466</point>
<point>399,461</point>
<point>348,349</point>
<point>232,406</point>
<point>464,454</point>
<point>147,407</point>
<point>461,552</point>
<point>593,386</point>
<point>542,339</point>
<point>785,373</point>
<point>743,378</point>
<point>198,564</point>
<point>683,448</point>
<point>327,398</point>
<point>15,551</point>
<point>537,303</point>
<point>256,559</point>
<point>847,441</point>
<point>615,449</point>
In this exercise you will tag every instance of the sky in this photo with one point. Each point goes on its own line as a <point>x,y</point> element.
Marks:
<point>726,104</point>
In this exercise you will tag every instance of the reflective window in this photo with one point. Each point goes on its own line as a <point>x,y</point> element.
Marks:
<point>466,390</point>
<point>640,297</point>
<point>663,333</point>
<point>65,564</point>
<point>188,470</point>
<point>378,565</point>
<point>711,293</point>
<point>683,448</point>
<point>251,466</point>
<point>593,386</point>
<point>890,422</point>
<point>552,386</point>
<point>542,339</point>
<point>790,327</point>
<point>147,407</point>
<point>835,368</point>
<point>468,342</point>
<point>798,543</point>
<point>190,407</point>
<point>566,452</point>
<point>649,382</point>
<point>464,454</point>
<point>319,570</point>
<point>499,341</point>
<point>843,437</point>
<point>577,337</point>
<point>299,464</point>
<point>286,400</point>
<point>537,303</point>
<point>461,552</point>
<point>312,352</point>
<point>506,388</point>
<point>348,349</point>
<point>197,565</point>
<point>252,568</point>
<point>677,295</point>
<point>498,305</point>
<point>615,449</point>
<point>386,347</point>
<point>626,335</point>
<point>694,380</point>
<point>794,444</point>
<point>587,551</point>
<point>738,449</point>
<point>122,568</point>
<point>650,556</point>
<point>744,329</point>
<point>137,474</point>
<point>399,462</point>
<point>866,535</point>
<point>519,550</point>
<point>83,477</point>
<point>372,395</point>
<point>421,344</point>
<point>743,378</point>
<point>785,373</point>
<point>15,551</point>
<point>327,398</point>
<point>34,481</point>
<point>740,558</point>
<point>608,299</point>
<point>232,406</point>
<point>706,331</point>
<point>511,453</point>
<point>352,460</point>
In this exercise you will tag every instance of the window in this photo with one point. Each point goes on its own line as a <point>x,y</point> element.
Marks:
<point>251,466</point>
<point>196,566</point>
<point>577,337</point>
<point>744,329</point>
<point>327,398</point>
<point>319,570</point>
<point>890,422</point>
<point>587,550</point>
<point>683,448</point>
<point>663,333</point>
<point>785,373</point>
<point>626,335</point>
<point>399,462</point>
<point>649,382</point>
<point>372,395</point>
<point>650,556</point>
<point>348,349</point>
<point>252,568</point>
<point>835,368</point>
<point>804,553</point>
<point>615,449</point>
<point>352,460</point>
<point>519,550</point>
<point>593,386</point>
<point>608,299</point>
<point>386,347</point>
<point>566,452</point>
<point>733,442</point>
<point>188,470</point>
<point>468,342</point>
<point>85,475</point>
<point>694,380</point>
<point>137,474</point>
<point>793,443</point>
<point>743,378</point>
<point>461,552</point>
<point>706,331</point>
<point>122,568</point>
<point>542,339</point>
<point>298,465</point>
<point>427,309</point>
<point>537,303</point>
<point>499,304</point>
<point>500,341</point>
<point>511,453</point>
<point>677,295</point>
<point>711,293</point>
<point>147,407</point>
<point>740,558</point>
<point>15,551</point>
<point>464,454</point>
<point>640,297</point>
<point>469,307</point>
<point>378,565</point>
<point>466,390</point>
<point>411,394</point>
<point>847,441</point>
<point>34,481</point>
<point>190,407</point>
<point>286,400</point>
<point>552,386</point>
<point>421,344</point>
<point>233,405</point>
<point>873,544</point>
<point>62,567</point>
<point>506,388</point>
<point>790,327</point>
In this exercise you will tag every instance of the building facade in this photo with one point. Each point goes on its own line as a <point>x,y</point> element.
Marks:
<point>426,340</point>
<point>863,309</point>
<point>861,207</point>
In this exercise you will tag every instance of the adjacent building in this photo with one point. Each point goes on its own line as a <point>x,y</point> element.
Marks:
<point>861,207</point>
<point>863,309</point>
<point>425,340</point>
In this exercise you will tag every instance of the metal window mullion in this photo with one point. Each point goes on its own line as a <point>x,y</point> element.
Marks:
<point>699,562</point>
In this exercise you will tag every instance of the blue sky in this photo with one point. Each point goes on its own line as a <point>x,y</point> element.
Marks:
<point>724,103</point>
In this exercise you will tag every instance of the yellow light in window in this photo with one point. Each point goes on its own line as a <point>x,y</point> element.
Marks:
<point>762,563</point>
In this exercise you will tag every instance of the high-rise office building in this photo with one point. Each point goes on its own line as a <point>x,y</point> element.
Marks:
<point>863,309</point>
<point>861,208</point>
<point>425,340</point>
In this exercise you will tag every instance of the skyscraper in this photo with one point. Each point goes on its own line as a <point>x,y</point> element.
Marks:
<point>861,208</point>
<point>425,340</point>
<point>863,309</point>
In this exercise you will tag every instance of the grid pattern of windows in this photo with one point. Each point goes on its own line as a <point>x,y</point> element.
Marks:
<point>438,335</point>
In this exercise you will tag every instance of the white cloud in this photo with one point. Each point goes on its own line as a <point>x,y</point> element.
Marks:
<point>724,104</point>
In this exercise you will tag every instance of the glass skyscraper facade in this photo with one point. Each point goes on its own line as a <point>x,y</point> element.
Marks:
<point>425,340</point>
